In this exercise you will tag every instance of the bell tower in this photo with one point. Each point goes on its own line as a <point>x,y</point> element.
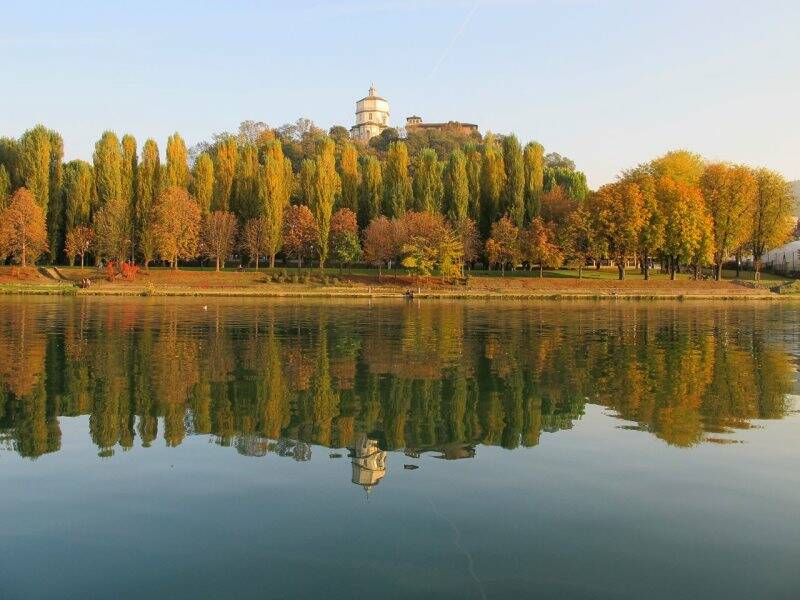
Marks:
<point>372,116</point>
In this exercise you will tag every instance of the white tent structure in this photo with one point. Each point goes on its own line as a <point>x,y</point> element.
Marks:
<point>785,258</point>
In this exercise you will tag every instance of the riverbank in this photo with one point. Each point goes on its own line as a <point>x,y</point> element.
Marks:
<point>367,284</point>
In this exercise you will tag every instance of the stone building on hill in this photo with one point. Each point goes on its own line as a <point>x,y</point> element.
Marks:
<point>372,116</point>
<point>414,123</point>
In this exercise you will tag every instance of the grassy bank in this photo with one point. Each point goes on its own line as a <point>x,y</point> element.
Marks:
<point>367,283</point>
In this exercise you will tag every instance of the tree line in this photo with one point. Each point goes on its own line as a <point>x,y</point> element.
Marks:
<point>433,201</point>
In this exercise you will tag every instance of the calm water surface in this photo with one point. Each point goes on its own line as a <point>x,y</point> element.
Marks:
<point>157,448</point>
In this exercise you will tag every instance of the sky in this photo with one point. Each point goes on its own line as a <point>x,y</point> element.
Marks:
<point>608,83</point>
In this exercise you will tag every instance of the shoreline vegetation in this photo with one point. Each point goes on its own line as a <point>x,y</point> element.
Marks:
<point>364,283</point>
<point>436,207</point>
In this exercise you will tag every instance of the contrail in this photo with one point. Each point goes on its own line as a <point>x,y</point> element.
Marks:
<point>457,35</point>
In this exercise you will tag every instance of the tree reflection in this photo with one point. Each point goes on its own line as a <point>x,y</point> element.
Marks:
<point>422,377</point>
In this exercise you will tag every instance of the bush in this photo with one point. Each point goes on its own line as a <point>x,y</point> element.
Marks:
<point>334,281</point>
<point>325,280</point>
<point>295,279</point>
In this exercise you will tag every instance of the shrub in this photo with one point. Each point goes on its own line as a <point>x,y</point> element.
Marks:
<point>295,279</point>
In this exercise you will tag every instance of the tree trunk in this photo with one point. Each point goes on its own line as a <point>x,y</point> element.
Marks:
<point>24,256</point>
<point>738,264</point>
<point>580,271</point>
<point>597,265</point>
<point>217,265</point>
<point>175,263</point>
<point>541,270</point>
<point>696,271</point>
<point>81,262</point>
<point>256,261</point>
<point>621,269</point>
<point>646,266</point>
<point>271,260</point>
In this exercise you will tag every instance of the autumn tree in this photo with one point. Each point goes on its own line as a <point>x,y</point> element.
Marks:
<point>177,174</point>
<point>773,214</point>
<point>371,190</point>
<point>427,243</point>
<point>176,225</point>
<point>5,186</point>
<point>299,232</point>
<point>34,164</point>
<point>427,183</point>
<point>225,155</point>
<point>456,188</point>
<point>502,247</point>
<point>538,245</point>
<point>79,242</point>
<point>651,234</point>
<point>397,189</point>
<point>684,217</point>
<point>327,188</point>
<point>23,233</point>
<point>555,205</point>
<point>618,210</point>
<point>467,231</point>
<point>203,182</point>
<point>218,236</point>
<point>380,243</point>
<point>577,239</point>
<point>533,166</point>
<point>513,196</point>
<point>275,189</point>
<point>344,244</point>
<point>350,174</point>
<point>257,238</point>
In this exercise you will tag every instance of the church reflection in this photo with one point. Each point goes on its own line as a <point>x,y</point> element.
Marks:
<point>440,378</point>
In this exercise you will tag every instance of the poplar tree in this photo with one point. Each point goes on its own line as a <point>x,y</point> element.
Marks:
<point>55,204</point>
<point>9,158</point>
<point>5,186</point>
<point>107,169</point>
<point>533,161</point>
<point>203,183</point>
<point>514,188</point>
<point>245,186</point>
<point>306,181</point>
<point>492,183</point>
<point>148,188</point>
<point>226,155</point>
<point>275,190</point>
<point>473,166</point>
<point>456,188</point>
<point>350,175</point>
<point>428,187</point>
<point>397,192</point>
<point>78,193</point>
<point>34,164</point>
<point>177,162</point>
<point>128,179</point>
<point>371,191</point>
<point>327,188</point>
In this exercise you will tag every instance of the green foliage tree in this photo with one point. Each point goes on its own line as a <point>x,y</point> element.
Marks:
<point>533,166</point>
<point>226,156</point>
<point>149,185</point>
<point>327,188</point>
<point>275,190</point>
<point>306,181</point>
<point>456,188</point>
<point>397,189</point>
<point>474,161</point>
<point>78,193</point>
<point>513,198</point>
<point>492,182</point>
<point>177,162</point>
<point>203,182</point>
<point>245,201</point>
<point>107,169</point>
<point>34,163</point>
<point>427,183</point>
<point>350,174</point>
<point>371,190</point>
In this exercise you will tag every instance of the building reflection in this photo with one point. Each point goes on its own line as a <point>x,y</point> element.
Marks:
<point>368,461</point>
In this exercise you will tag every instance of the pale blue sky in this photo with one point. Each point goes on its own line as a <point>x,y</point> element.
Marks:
<point>608,83</point>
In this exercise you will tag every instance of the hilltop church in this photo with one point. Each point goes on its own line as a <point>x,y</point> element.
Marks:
<point>372,117</point>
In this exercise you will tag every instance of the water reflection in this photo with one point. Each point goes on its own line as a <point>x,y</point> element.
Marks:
<point>280,377</point>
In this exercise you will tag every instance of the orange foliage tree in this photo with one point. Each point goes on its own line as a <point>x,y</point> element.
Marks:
<point>23,233</point>
<point>219,234</point>
<point>380,243</point>
<point>502,247</point>
<point>79,241</point>
<point>299,232</point>
<point>177,225</point>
